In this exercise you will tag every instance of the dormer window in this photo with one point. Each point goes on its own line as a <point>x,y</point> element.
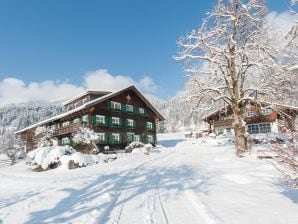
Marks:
<point>84,100</point>
<point>76,104</point>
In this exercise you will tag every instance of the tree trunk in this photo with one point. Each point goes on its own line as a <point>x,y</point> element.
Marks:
<point>240,136</point>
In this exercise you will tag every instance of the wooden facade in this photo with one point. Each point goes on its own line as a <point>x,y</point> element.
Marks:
<point>136,120</point>
<point>258,119</point>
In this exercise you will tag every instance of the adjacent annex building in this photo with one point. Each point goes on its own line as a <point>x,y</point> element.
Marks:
<point>119,118</point>
<point>259,118</point>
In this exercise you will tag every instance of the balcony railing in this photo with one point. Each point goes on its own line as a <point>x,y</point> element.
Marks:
<point>67,129</point>
<point>220,123</point>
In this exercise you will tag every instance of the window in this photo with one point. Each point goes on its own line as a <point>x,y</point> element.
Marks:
<point>115,121</point>
<point>77,120</point>
<point>53,127</point>
<point>141,110</point>
<point>115,105</point>
<point>266,111</point>
<point>115,137</point>
<point>221,117</point>
<point>65,124</point>
<point>149,125</point>
<point>101,137</point>
<point>265,128</point>
<point>250,113</point>
<point>100,119</point>
<point>253,128</point>
<point>84,100</point>
<point>136,138</point>
<point>65,141</point>
<point>129,108</point>
<point>150,138</point>
<point>85,118</point>
<point>259,128</point>
<point>130,123</point>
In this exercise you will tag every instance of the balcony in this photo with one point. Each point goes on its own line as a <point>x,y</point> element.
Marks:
<point>67,130</point>
<point>221,123</point>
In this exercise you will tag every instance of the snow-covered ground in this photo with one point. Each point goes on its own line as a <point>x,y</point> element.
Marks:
<point>188,182</point>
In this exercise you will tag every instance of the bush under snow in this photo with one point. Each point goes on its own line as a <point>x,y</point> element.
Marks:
<point>53,156</point>
<point>45,157</point>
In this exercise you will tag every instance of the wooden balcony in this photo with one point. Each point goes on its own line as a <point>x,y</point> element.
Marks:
<point>221,123</point>
<point>67,130</point>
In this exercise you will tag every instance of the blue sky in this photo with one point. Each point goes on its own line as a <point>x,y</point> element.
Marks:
<point>62,40</point>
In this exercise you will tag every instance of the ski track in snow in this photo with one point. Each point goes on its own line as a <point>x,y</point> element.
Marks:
<point>187,184</point>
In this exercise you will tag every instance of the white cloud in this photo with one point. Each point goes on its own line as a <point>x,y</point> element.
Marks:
<point>101,79</point>
<point>281,21</point>
<point>14,90</point>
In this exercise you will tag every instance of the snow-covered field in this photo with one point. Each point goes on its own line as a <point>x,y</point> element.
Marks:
<point>187,182</point>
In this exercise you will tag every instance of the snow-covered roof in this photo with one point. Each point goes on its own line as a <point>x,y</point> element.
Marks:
<point>91,103</point>
<point>272,105</point>
<point>86,92</point>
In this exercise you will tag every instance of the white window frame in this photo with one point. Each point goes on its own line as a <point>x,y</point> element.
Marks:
<point>149,125</point>
<point>65,124</point>
<point>266,111</point>
<point>136,138</point>
<point>65,141</point>
<point>77,120</point>
<point>101,137</point>
<point>250,113</point>
<point>141,110</point>
<point>116,137</point>
<point>115,105</point>
<point>84,118</point>
<point>130,122</point>
<point>115,119</point>
<point>129,108</point>
<point>259,128</point>
<point>100,119</point>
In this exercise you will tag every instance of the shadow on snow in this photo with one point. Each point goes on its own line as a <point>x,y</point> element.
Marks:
<point>137,182</point>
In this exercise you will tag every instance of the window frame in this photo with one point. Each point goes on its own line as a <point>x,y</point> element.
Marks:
<point>115,105</point>
<point>265,111</point>
<point>118,137</point>
<point>130,124</point>
<point>100,119</point>
<point>115,118</point>
<point>129,106</point>
<point>141,110</point>
<point>250,113</point>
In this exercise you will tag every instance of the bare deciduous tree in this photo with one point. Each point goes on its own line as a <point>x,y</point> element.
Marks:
<point>234,59</point>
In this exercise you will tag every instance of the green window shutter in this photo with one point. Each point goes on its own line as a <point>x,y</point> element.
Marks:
<point>145,111</point>
<point>134,123</point>
<point>109,104</point>
<point>153,125</point>
<point>106,121</point>
<point>120,122</point>
<point>123,107</point>
<point>135,110</point>
<point>94,119</point>
<point>120,138</point>
<point>126,123</point>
